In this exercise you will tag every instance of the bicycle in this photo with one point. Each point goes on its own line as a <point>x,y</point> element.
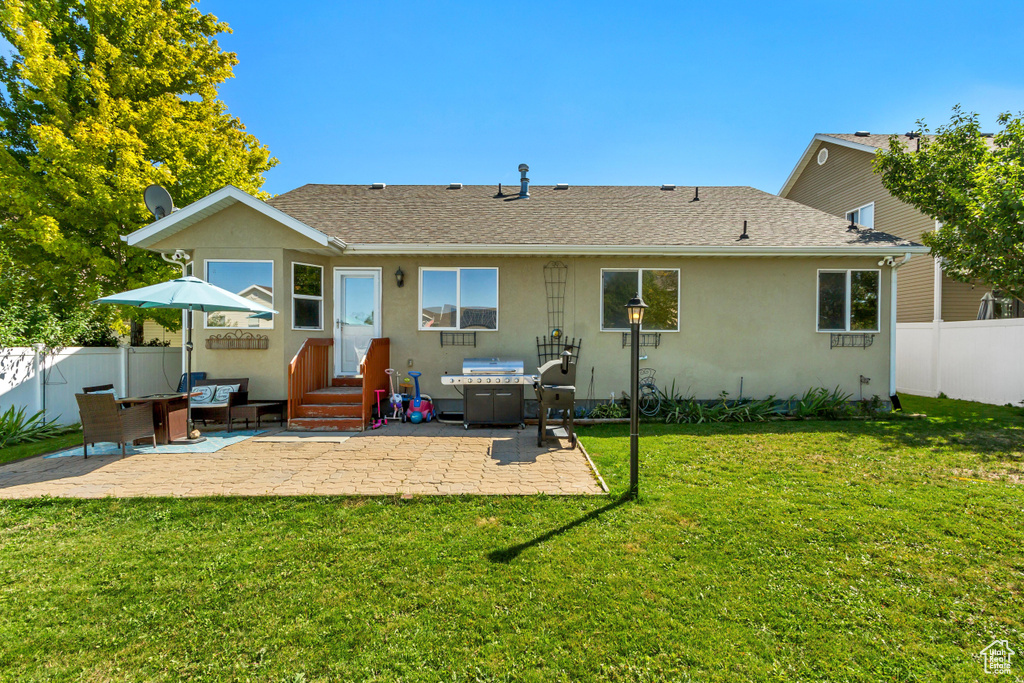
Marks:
<point>650,397</point>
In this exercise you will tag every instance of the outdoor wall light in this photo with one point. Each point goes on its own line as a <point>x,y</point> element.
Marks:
<point>400,277</point>
<point>635,310</point>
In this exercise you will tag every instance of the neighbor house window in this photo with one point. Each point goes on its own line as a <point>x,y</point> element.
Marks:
<point>253,280</point>
<point>658,287</point>
<point>307,296</point>
<point>848,300</point>
<point>458,298</point>
<point>863,216</point>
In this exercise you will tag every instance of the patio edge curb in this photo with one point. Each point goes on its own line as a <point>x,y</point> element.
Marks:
<point>593,467</point>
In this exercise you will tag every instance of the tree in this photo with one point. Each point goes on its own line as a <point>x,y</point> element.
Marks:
<point>974,185</point>
<point>99,99</point>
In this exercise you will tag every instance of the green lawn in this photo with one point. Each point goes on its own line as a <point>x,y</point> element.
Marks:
<point>25,450</point>
<point>812,551</point>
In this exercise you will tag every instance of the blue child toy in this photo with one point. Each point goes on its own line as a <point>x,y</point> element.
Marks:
<point>421,408</point>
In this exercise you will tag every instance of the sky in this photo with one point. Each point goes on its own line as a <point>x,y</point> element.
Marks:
<point>709,93</point>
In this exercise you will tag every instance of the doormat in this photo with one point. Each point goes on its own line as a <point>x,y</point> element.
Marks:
<point>214,442</point>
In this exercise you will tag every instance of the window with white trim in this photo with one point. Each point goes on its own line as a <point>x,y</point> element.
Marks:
<point>307,296</point>
<point>863,216</point>
<point>253,280</point>
<point>458,299</point>
<point>658,287</point>
<point>848,300</point>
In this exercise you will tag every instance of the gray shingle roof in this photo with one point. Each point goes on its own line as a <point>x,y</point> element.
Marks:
<point>579,215</point>
<point>882,141</point>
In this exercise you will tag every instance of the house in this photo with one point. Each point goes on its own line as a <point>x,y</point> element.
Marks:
<point>939,330</point>
<point>745,288</point>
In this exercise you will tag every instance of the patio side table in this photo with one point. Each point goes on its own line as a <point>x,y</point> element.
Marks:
<point>255,410</point>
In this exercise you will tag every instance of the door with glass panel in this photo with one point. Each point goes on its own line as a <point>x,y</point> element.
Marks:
<point>356,316</point>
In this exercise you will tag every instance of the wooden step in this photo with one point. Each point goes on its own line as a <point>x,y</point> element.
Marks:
<point>325,424</point>
<point>347,382</point>
<point>334,395</point>
<point>329,410</point>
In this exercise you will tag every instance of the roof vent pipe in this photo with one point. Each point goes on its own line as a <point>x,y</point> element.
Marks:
<point>744,236</point>
<point>524,182</point>
<point>696,195</point>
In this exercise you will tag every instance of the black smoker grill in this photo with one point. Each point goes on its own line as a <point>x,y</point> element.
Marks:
<point>556,390</point>
<point>493,391</point>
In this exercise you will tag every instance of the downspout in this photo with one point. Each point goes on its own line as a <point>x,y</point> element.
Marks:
<point>894,266</point>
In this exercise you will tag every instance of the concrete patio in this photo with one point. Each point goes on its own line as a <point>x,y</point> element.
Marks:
<point>426,459</point>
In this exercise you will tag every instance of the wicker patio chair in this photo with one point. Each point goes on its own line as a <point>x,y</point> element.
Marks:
<point>102,422</point>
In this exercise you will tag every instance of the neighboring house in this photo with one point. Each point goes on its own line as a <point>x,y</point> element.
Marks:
<point>835,175</point>
<point>745,288</point>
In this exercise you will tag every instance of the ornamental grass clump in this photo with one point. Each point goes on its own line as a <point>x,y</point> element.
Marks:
<point>16,427</point>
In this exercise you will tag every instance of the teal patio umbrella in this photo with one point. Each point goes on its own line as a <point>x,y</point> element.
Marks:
<point>190,294</point>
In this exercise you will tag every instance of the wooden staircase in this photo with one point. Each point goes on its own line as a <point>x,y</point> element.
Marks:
<point>342,404</point>
<point>337,408</point>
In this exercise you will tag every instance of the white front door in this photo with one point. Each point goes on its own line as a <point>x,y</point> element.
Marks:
<point>356,315</point>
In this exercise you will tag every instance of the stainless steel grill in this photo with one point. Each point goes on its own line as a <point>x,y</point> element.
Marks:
<point>499,403</point>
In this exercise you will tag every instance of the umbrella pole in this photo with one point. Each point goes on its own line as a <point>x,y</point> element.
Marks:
<point>189,425</point>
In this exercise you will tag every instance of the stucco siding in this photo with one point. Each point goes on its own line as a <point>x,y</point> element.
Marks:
<point>845,182</point>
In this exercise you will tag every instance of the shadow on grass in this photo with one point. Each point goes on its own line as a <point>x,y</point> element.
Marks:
<point>506,555</point>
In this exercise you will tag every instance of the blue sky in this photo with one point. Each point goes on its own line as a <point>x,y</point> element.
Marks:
<point>706,93</point>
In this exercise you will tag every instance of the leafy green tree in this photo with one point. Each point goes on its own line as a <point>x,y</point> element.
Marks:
<point>974,185</point>
<point>99,99</point>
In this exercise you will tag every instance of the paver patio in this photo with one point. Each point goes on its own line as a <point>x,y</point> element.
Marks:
<point>428,459</point>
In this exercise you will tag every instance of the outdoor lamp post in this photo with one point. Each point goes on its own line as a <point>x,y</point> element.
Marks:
<point>635,309</point>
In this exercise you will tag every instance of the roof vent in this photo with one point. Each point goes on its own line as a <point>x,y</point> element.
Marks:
<point>562,186</point>
<point>862,133</point>
<point>454,186</point>
<point>378,186</point>
<point>744,236</point>
<point>696,195</point>
<point>524,182</point>
<point>668,187</point>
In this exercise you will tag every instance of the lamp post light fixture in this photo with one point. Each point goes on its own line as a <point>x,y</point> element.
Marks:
<point>635,310</point>
<point>400,277</point>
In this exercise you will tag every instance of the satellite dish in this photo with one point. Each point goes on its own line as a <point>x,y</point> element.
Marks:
<point>158,201</point>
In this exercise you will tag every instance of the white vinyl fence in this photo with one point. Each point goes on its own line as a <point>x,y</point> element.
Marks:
<point>32,378</point>
<point>976,360</point>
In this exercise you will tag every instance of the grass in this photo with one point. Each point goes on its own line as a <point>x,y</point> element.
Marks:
<point>812,551</point>
<point>27,450</point>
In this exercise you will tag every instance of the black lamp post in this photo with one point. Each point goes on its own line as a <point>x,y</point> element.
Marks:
<point>635,309</point>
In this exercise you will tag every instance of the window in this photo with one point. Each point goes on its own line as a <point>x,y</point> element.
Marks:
<point>253,280</point>
<point>659,288</point>
<point>848,300</point>
<point>458,298</point>
<point>307,296</point>
<point>863,216</point>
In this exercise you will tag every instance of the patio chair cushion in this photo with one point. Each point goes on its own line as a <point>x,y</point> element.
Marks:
<point>205,395</point>
<point>112,392</point>
<point>223,392</point>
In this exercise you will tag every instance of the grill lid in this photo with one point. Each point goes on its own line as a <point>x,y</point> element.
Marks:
<point>491,366</point>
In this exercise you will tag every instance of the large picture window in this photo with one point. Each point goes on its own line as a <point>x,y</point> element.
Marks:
<point>458,299</point>
<point>253,280</point>
<point>307,296</point>
<point>659,288</point>
<point>848,300</point>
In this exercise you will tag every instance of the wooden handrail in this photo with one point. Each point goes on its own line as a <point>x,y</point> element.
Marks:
<point>376,360</point>
<point>308,371</point>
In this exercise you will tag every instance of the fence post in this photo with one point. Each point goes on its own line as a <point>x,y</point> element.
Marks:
<point>39,368</point>
<point>122,370</point>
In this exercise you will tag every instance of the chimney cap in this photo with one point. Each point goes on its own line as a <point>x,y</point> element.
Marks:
<point>523,168</point>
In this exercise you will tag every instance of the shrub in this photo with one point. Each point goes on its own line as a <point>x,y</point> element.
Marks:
<point>16,428</point>
<point>820,402</point>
